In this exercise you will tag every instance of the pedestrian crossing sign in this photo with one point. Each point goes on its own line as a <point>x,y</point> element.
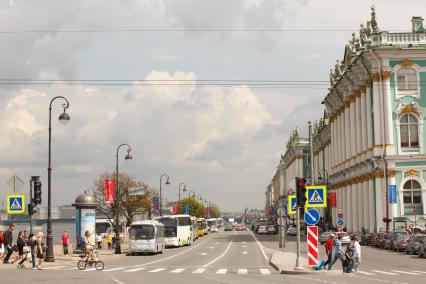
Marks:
<point>291,204</point>
<point>316,196</point>
<point>16,204</point>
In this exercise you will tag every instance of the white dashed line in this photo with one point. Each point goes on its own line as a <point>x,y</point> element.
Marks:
<point>135,269</point>
<point>199,270</point>
<point>242,271</point>
<point>385,272</point>
<point>157,270</point>
<point>264,271</point>
<point>179,270</point>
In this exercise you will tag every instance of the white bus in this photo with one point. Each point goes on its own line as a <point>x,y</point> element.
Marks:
<point>194,228</point>
<point>220,222</point>
<point>146,237</point>
<point>104,227</point>
<point>177,230</point>
<point>211,222</point>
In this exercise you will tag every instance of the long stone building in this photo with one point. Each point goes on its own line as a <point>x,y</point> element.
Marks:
<point>369,147</point>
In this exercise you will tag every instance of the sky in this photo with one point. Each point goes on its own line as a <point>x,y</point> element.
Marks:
<point>223,142</point>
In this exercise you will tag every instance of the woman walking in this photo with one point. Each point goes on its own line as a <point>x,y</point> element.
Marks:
<point>41,248</point>
<point>357,254</point>
<point>20,243</point>
<point>32,243</point>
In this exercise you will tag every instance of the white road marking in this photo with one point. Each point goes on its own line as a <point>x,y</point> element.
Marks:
<point>366,273</point>
<point>179,270</point>
<point>384,272</point>
<point>424,272</point>
<point>242,271</point>
<point>113,269</point>
<point>405,272</point>
<point>89,269</point>
<point>244,252</point>
<point>261,247</point>
<point>221,271</point>
<point>264,271</point>
<point>135,269</point>
<point>157,270</point>
<point>202,253</point>
<point>244,246</point>
<point>244,242</point>
<point>199,270</point>
<point>117,281</point>
<point>54,267</point>
<point>222,255</point>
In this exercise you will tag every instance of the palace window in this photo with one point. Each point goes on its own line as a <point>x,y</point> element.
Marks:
<point>407,79</point>
<point>409,127</point>
<point>412,197</point>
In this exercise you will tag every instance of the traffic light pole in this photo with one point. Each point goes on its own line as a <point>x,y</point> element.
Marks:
<point>31,200</point>
<point>298,266</point>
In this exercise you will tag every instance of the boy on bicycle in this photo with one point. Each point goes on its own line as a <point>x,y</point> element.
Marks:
<point>89,245</point>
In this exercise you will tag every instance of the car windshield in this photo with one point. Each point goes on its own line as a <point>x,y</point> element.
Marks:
<point>142,232</point>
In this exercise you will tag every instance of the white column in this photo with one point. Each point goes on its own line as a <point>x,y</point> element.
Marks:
<point>358,128</point>
<point>369,114</point>
<point>332,141</point>
<point>352,131</point>
<point>365,202</point>
<point>379,203</point>
<point>347,140</point>
<point>349,207</point>
<point>345,204</point>
<point>354,207</point>
<point>377,118</point>
<point>360,206</point>
<point>371,206</point>
<point>364,128</point>
<point>390,149</point>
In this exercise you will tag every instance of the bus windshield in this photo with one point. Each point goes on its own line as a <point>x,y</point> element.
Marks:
<point>142,232</point>
<point>201,224</point>
<point>170,227</point>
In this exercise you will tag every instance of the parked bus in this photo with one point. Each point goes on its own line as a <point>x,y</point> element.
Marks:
<point>177,230</point>
<point>103,227</point>
<point>211,222</point>
<point>202,227</point>
<point>146,237</point>
<point>194,228</point>
<point>220,222</point>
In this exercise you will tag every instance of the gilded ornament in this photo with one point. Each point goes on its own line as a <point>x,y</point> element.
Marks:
<point>409,109</point>
<point>386,75</point>
<point>406,63</point>
<point>411,173</point>
<point>375,76</point>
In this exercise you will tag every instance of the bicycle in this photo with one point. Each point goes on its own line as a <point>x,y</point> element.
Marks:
<point>84,262</point>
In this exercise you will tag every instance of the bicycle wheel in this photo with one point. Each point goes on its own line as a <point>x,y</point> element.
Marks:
<point>81,264</point>
<point>99,265</point>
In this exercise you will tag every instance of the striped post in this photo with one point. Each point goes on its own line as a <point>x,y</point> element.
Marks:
<point>312,244</point>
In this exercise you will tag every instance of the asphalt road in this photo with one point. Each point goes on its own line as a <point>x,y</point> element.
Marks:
<point>225,257</point>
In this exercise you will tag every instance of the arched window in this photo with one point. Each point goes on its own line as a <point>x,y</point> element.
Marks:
<point>407,79</point>
<point>409,126</point>
<point>412,197</point>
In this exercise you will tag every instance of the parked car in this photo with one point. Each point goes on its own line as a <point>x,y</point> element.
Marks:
<point>214,229</point>
<point>382,240</point>
<point>345,237</point>
<point>401,243</point>
<point>422,250</point>
<point>364,239</point>
<point>238,227</point>
<point>392,238</point>
<point>262,229</point>
<point>229,227</point>
<point>271,229</point>
<point>291,231</point>
<point>414,243</point>
<point>324,236</point>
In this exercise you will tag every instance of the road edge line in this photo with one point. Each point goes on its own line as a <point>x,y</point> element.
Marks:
<point>220,256</point>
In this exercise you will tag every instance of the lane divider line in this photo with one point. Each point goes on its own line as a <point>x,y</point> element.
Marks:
<point>222,255</point>
<point>261,247</point>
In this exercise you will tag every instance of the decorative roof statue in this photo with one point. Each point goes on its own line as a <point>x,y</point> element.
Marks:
<point>373,22</point>
<point>332,81</point>
<point>296,133</point>
<point>337,70</point>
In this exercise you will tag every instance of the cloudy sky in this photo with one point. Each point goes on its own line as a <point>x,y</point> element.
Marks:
<point>224,142</point>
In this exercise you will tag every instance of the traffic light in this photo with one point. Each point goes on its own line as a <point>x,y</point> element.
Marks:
<point>300,192</point>
<point>31,209</point>
<point>37,192</point>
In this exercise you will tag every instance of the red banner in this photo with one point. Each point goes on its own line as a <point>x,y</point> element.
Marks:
<point>332,199</point>
<point>175,210</point>
<point>109,190</point>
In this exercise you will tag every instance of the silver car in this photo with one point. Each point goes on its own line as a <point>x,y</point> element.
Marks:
<point>414,243</point>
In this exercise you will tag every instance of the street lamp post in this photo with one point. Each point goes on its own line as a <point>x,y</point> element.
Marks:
<point>323,177</point>
<point>117,198</point>
<point>63,119</point>
<point>161,197</point>
<point>184,189</point>
<point>189,194</point>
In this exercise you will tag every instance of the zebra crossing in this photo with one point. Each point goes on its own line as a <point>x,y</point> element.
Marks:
<point>174,270</point>
<point>392,272</point>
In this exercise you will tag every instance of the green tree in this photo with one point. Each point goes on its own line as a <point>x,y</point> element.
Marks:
<point>196,208</point>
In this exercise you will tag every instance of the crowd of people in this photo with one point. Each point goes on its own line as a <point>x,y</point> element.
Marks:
<point>26,245</point>
<point>349,257</point>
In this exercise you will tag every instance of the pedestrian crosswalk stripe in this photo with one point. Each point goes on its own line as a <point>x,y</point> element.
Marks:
<point>242,271</point>
<point>424,272</point>
<point>54,267</point>
<point>199,270</point>
<point>405,272</point>
<point>90,269</point>
<point>221,271</point>
<point>113,269</point>
<point>135,269</point>
<point>264,271</point>
<point>384,272</point>
<point>179,270</point>
<point>366,273</point>
<point>157,270</point>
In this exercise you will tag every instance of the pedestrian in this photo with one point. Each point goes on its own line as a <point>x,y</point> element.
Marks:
<point>40,248</point>
<point>329,250</point>
<point>109,241</point>
<point>23,249</point>
<point>32,243</point>
<point>99,241</point>
<point>357,253</point>
<point>65,241</point>
<point>8,240</point>
<point>338,252</point>
<point>20,243</point>
<point>2,247</point>
<point>349,255</point>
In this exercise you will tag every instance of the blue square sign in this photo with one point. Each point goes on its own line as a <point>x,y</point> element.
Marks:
<point>316,196</point>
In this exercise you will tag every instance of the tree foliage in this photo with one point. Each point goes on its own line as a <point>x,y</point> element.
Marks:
<point>196,208</point>
<point>128,205</point>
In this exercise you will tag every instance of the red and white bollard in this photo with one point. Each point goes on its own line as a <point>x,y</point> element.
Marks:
<point>312,244</point>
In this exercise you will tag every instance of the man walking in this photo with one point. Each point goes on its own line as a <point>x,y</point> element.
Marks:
<point>357,254</point>
<point>329,250</point>
<point>65,241</point>
<point>8,241</point>
<point>338,253</point>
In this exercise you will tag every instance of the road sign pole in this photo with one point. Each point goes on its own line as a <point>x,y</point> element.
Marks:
<point>298,267</point>
<point>31,200</point>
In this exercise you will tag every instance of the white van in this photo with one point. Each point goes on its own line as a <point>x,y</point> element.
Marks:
<point>146,237</point>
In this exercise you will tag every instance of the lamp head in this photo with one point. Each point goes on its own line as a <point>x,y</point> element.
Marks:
<point>64,118</point>
<point>167,181</point>
<point>128,156</point>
